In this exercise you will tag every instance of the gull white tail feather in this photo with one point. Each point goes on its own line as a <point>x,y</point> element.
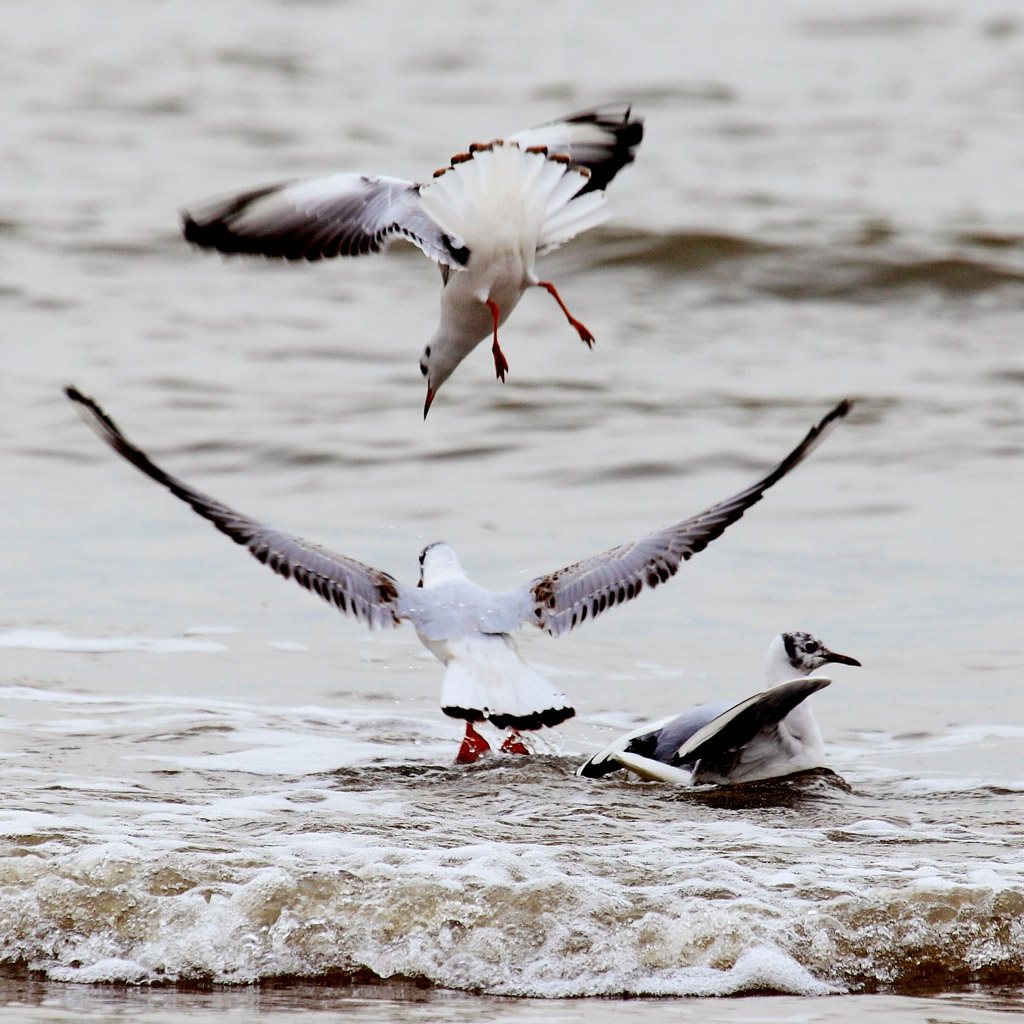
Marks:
<point>485,679</point>
<point>582,214</point>
<point>502,194</point>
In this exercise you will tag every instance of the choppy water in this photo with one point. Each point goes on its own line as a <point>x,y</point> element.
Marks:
<point>212,778</point>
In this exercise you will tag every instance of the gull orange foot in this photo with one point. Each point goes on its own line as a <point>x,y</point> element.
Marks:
<point>500,362</point>
<point>514,744</point>
<point>585,336</point>
<point>474,746</point>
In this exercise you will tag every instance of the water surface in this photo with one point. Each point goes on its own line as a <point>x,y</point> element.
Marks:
<point>213,780</point>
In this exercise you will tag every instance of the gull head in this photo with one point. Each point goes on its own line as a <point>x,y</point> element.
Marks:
<point>437,364</point>
<point>800,654</point>
<point>439,564</point>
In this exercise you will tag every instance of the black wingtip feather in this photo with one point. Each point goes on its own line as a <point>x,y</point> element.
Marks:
<point>814,436</point>
<point>627,133</point>
<point>598,769</point>
<point>215,229</point>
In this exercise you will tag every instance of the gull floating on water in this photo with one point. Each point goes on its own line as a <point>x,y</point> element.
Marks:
<point>464,626</point>
<point>484,219</point>
<point>770,734</point>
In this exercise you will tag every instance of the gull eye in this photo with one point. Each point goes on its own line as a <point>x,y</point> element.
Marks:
<point>810,647</point>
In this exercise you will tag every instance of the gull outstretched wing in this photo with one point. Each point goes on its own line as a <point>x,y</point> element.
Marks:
<point>563,599</point>
<point>603,140</point>
<point>316,218</point>
<point>357,589</point>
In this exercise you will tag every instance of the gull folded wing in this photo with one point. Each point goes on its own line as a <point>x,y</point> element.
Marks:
<point>606,761</point>
<point>717,745</point>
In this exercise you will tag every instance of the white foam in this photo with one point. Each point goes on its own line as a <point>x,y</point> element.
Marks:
<point>51,640</point>
<point>308,879</point>
<point>108,969</point>
<point>256,857</point>
<point>762,967</point>
<point>284,754</point>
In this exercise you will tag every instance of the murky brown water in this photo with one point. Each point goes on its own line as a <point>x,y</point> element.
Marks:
<point>213,778</point>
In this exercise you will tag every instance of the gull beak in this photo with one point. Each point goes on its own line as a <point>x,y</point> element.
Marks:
<point>839,659</point>
<point>430,399</point>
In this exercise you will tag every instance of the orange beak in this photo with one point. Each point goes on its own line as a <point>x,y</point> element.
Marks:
<point>426,404</point>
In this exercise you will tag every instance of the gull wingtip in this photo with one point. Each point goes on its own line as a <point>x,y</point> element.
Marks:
<point>85,404</point>
<point>844,406</point>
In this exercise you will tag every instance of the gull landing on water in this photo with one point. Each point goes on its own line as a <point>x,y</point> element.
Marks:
<point>464,626</point>
<point>766,736</point>
<point>484,219</point>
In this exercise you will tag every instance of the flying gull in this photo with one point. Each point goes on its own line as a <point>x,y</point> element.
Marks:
<point>464,626</point>
<point>484,219</point>
<point>765,736</point>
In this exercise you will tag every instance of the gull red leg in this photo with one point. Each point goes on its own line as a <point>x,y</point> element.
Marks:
<point>500,362</point>
<point>474,746</point>
<point>585,336</point>
<point>514,743</point>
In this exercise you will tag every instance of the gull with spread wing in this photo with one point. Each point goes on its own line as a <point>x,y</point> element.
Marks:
<point>464,626</point>
<point>483,219</point>
<point>771,734</point>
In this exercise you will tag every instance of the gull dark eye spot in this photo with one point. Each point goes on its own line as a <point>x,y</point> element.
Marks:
<point>810,647</point>
<point>423,369</point>
<point>426,351</point>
